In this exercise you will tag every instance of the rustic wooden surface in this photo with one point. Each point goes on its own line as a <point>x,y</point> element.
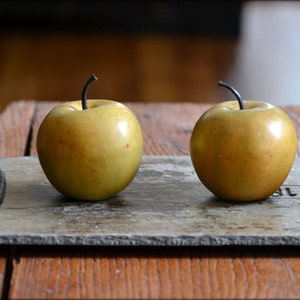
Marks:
<point>156,273</point>
<point>141,272</point>
<point>149,68</point>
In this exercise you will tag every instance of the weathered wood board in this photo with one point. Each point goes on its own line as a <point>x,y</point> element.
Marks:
<point>165,205</point>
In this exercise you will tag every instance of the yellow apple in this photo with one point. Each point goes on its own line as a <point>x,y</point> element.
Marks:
<point>90,150</point>
<point>243,150</point>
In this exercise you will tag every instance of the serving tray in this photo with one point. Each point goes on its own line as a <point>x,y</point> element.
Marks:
<point>165,205</point>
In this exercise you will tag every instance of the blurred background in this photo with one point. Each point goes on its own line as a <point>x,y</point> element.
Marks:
<point>150,51</point>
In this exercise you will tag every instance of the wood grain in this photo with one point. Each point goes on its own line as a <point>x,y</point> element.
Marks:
<point>131,68</point>
<point>156,273</point>
<point>15,128</point>
<point>5,270</point>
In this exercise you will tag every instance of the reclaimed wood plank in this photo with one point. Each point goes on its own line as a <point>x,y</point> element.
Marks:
<point>5,270</point>
<point>41,110</point>
<point>156,273</point>
<point>167,128</point>
<point>15,128</point>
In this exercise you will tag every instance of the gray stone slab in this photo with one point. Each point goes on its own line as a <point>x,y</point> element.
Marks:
<point>165,205</point>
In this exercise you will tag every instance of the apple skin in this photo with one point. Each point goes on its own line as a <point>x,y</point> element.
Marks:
<point>90,154</point>
<point>243,155</point>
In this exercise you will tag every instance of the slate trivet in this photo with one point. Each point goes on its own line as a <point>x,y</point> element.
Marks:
<point>165,205</point>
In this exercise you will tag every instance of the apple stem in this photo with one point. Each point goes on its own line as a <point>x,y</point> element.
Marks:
<point>235,92</point>
<point>84,91</point>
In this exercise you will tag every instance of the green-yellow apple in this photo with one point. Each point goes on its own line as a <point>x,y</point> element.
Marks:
<point>243,150</point>
<point>90,150</point>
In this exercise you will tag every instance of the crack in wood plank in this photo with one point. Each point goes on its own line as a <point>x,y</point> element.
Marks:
<point>15,123</point>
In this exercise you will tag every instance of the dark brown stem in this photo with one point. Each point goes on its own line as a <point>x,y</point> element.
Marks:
<point>235,92</point>
<point>84,91</point>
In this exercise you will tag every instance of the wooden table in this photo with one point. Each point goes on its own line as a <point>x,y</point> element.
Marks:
<point>70,272</point>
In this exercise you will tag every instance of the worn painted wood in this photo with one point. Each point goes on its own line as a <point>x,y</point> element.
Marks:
<point>165,205</point>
